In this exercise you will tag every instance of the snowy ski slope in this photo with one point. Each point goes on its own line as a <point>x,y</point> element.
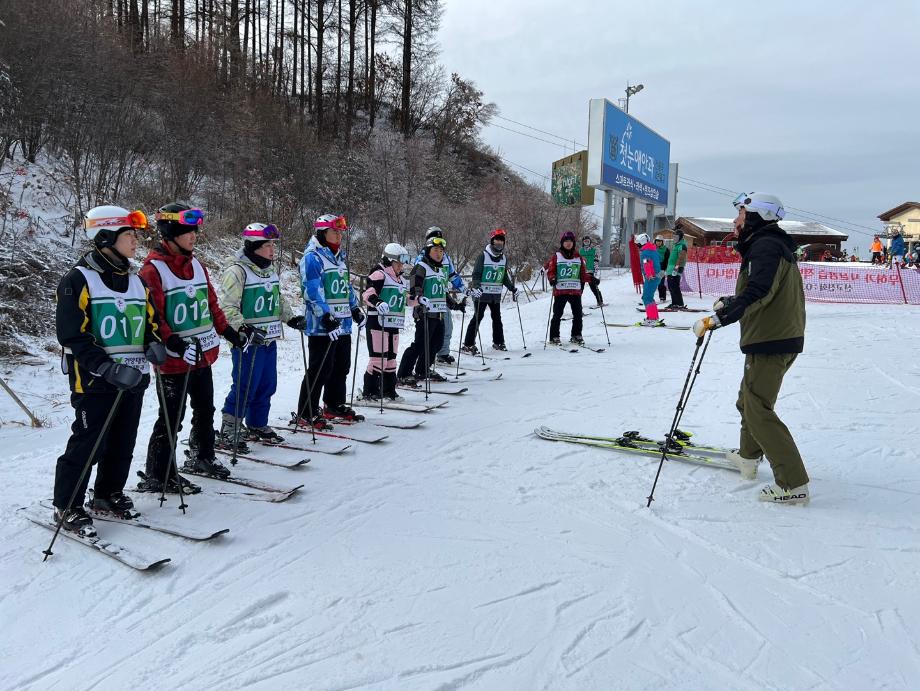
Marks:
<point>469,554</point>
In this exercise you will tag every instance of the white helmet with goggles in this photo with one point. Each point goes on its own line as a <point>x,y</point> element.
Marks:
<point>103,223</point>
<point>768,206</point>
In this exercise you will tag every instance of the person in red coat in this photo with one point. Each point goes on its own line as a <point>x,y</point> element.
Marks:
<point>190,322</point>
<point>567,274</point>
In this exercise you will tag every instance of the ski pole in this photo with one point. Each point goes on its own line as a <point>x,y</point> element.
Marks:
<point>696,373</point>
<point>479,317</point>
<point>86,467</point>
<point>548,315</point>
<point>354,371</point>
<point>173,433</point>
<point>604,319</point>
<point>383,356</point>
<point>310,386</point>
<point>682,401</point>
<point>306,376</point>
<point>460,346</point>
<point>520,321</point>
<point>236,421</point>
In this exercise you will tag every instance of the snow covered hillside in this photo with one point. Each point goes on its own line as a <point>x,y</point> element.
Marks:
<point>470,554</point>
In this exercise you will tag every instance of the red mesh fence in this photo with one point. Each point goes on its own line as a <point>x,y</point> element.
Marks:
<point>824,282</point>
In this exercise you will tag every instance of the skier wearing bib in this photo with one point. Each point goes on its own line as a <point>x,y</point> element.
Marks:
<point>769,304</point>
<point>490,275</point>
<point>567,274</point>
<point>331,306</point>
<point>107,326</point>
<point>652,273</point>
<point>428,284</point>
<point>676,263</point>
<point>663,255</point>
<point>387,299</point>
<point>588,252</point>
<point>456,282</point>
<point>190,321</point>
<point>250,295</point>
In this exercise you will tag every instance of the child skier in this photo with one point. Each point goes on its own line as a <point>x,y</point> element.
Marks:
<point>427,284</point>
<point>456,282</point>
<point>190,321</point>
<point>107,326</point>
<point>250,295</point>
<point>676,263</point>
<point>386,296</point>
<point>567,274</point>
<point>490,274</point>
<point>331,306</point>
<point>652,274</point>
<point>588,252</point>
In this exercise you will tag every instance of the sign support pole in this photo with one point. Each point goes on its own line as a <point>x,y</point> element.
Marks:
<point>608,228</point>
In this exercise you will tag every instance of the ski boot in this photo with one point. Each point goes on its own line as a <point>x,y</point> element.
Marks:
<point>747,466</point>
<point>205,466</point>
<point>408,381</point>
<point>577,340</point>
<point>76,521</point>
<point>393,398</point>
<point>775,494</point>
<point>445,359</point>
<point>150,484</point>
<point>555,341</point>
<point>117,504</point>
<point>319,423</point>
<point>231,434</point>
<point>435,376</point>
<point>342,412</point>
<point>652,322</point>
<point>263,435</point>
<point>499,346</point>
<point>469,349</point>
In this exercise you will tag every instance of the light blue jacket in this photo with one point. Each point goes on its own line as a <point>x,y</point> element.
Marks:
<point>311,283</point>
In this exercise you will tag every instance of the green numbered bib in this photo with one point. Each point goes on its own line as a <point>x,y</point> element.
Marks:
<point>335,290</point>
<point>568,273</point>
<point>395,297</point>
<point>435,289</point>
<point>187,310</point>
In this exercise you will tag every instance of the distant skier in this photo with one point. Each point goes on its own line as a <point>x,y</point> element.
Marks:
<point>455,283</point>
<point>567,274</point>
<point>663,254</point>
<point>588,252</point>
<point>676,263</point>
<point>490,274</point>
<point>896,249</point>
<point>387,298</point>
<point>769,302</point>
<point>652,273</point>
<point>107,326</point>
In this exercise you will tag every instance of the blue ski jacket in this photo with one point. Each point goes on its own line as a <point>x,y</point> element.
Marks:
<point>311,283</point>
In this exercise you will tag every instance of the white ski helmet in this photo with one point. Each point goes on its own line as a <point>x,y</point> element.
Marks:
<point>334,221</point>
<point>641,239</point>
<point>768,206</point>
<point>434,232</point>
<point>394,252</point>
<point>103,223</point>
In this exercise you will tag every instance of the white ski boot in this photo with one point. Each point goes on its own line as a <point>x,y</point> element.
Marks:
<point>775,494</point>
<point>747,466</point>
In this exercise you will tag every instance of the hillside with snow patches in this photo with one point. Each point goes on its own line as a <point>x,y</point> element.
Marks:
<point>470,554</point>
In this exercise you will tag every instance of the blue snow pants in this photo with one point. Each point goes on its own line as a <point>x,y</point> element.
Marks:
<point>263,363</point>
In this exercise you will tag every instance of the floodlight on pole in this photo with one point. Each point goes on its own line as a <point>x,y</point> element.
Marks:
<point>632,91</point>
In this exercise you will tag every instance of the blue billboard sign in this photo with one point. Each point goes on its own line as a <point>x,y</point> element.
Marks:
<point>626,156</point>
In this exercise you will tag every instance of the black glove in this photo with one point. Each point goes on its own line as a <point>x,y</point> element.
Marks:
<point>329,322</point>
<point>514,295</point>
<point>253,335</point>
<point>418,313</point>
<point>176,345</point>
<point>723,302</point>
<point>156,353</point>
<point>298,322</point>
<point>120,376</point>
<point>358,316</point>
<point>235,338</point>
<point>552,282</point>
<point>680,270</point>
<point>595,281</point>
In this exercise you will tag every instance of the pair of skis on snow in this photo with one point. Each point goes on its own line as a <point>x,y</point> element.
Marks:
<point>681,448</point>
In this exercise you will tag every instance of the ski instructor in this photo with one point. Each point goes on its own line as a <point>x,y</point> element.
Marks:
<point>769,303</point>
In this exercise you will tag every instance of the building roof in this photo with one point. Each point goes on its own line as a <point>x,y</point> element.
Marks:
<point>807,228</point>
<point>898,210</point>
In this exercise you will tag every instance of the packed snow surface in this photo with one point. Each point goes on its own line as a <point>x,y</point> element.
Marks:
<point>469,554</point>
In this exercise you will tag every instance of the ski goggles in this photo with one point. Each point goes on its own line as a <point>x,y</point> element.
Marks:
<point>440,242</point>
<point>744,199</point>
<point>338,223</point>
<point>269,232</point>
<point>189,217</point>
<point>134,219</point>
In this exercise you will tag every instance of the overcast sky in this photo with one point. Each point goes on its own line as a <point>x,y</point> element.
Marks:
<point>813,100</point>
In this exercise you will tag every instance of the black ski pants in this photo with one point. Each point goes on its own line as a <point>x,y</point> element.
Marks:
<point>498,330</point>
<point>593,284</point>
<point>417,358</point>
<point>559,303</point>
<point>677,298</point>
<point>200,393</point>
<point>113,457</point>
<point>327,374</point>
<point>663,288</point>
